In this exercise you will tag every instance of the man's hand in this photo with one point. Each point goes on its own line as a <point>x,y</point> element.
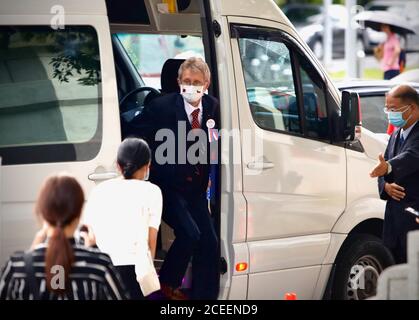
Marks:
<point>395,191</point>
<point>380,169</point>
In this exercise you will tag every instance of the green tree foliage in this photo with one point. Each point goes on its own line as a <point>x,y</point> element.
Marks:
<point>75,50</point>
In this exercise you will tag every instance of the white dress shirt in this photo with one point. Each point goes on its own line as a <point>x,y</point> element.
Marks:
<point>190,108</point>
<point>406,132</point>
<point>120,212</point>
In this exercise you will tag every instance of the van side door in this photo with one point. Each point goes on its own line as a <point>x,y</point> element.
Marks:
<point>294,178</point>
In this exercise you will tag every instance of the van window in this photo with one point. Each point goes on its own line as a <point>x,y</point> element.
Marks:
<point>50,94</point>
<point>270,84</point>
<point>149,52</point>
<point>314,101</point>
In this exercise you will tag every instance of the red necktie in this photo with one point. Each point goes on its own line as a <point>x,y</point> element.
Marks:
<point>196,125</point>
<point>195,119</point>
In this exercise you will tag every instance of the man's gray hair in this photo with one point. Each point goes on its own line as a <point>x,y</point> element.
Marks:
<point>195,65</point>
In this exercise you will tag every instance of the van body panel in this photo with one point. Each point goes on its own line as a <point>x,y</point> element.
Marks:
<point>359,211</point>
<point>234,281</point>
<point>288,253</point>
<point>44,7</point>
<point>241,255</point>
<point>18,223</point>
<point>238,221</point>
<point>233,209</point>
<point>269,10</point>
<point>238,288</point>
<point>360,188</point>
<point>363,202</point>
<point>322,282</point>
<point>336,241</point>
<point>274,285</point>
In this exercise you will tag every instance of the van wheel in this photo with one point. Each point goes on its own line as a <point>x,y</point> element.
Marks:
<point>359,266</point>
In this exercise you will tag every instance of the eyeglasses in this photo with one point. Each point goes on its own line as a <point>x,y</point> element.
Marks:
<point>195,83</point>
<point>394,109</point>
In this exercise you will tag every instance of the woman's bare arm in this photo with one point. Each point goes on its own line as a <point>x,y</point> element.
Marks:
<point>152,240</point>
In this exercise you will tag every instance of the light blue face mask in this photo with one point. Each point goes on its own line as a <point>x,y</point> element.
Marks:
<point>396,118</point>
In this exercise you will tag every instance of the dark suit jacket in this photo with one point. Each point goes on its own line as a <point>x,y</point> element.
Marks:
<point>167,112</point>
<point>405,172</point>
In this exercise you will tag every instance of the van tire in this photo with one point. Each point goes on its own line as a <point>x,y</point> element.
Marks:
<point>369,254</point>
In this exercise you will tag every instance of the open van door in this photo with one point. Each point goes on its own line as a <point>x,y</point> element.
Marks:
<point>294,180</point>
<point>58,105</point>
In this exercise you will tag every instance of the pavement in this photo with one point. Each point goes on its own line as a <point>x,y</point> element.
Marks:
<point>338,65</point>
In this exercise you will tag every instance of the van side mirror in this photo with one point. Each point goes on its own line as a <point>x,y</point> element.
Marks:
<point>350,120</point>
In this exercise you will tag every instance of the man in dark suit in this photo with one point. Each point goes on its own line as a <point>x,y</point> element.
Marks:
<point>398,170</point>
<point>176,126</point>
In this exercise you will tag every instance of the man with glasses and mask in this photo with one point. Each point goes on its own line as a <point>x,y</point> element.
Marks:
<point>398,169</point>
<point>187,114</point>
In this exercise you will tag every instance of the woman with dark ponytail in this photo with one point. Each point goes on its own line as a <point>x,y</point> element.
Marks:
<point>59,204</point>
<point>57,267</point>
<point>125,215</point>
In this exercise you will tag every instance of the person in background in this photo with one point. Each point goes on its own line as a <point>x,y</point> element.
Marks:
<point>57,267</point>
<point>403,53</point>
<point>398,169</point>
<point>390,53</point>
<point>125,215</point>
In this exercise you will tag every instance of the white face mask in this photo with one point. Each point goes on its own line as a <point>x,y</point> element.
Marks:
<point>191,93</point>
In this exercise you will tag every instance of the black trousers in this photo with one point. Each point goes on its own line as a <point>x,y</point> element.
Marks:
<point>188,215</point>
<point>129,280</point>
<point>390,74</point>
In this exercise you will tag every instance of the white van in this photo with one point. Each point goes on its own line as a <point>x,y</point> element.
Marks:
<point>302,217</point>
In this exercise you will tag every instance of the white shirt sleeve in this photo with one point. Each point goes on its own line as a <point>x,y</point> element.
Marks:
<point>156,207</point>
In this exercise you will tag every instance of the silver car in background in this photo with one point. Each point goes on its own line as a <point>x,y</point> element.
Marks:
<point>372,95</point>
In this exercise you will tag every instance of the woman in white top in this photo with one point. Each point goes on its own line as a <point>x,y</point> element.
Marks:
<point>125,214</point>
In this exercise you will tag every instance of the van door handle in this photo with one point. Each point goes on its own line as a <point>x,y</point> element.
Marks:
<point>260,165</point>
<point>102,176</point>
